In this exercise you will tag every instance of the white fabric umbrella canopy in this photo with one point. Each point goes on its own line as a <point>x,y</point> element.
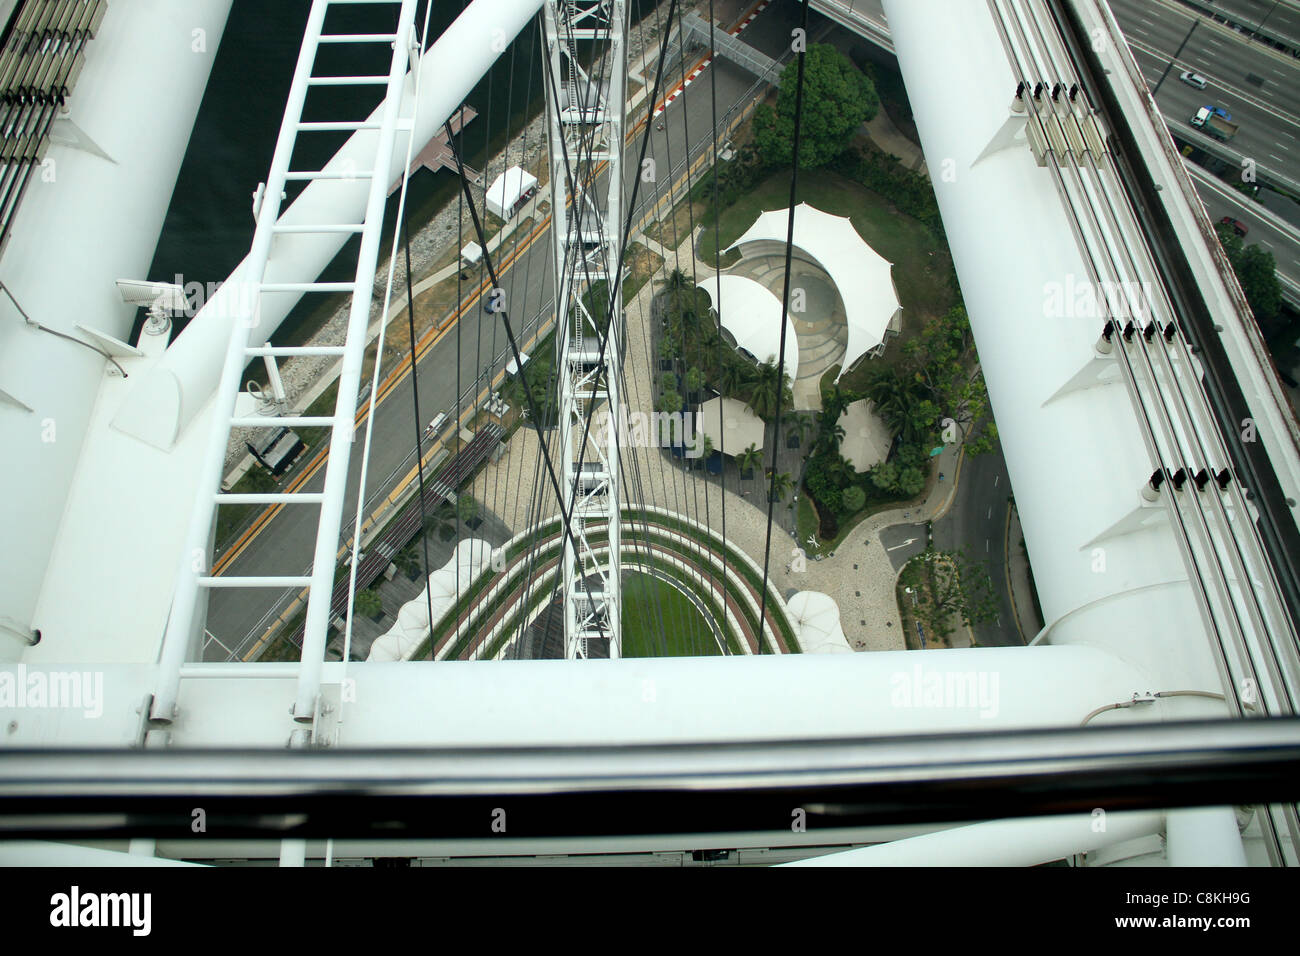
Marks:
<point>740,426</point>
<point>816,620</point>
<point>863,278</point>
<point>752,314</point>
<point>867,439</point>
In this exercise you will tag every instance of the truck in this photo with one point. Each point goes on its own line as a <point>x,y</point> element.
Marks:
<point>1216,122</point>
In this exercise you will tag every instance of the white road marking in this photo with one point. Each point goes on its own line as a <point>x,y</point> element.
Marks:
<point>903,545</point>
<point>986,545</point>
<point>990,514</point>
<point>996,479</point>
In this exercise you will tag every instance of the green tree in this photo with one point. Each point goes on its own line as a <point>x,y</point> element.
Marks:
<point>369,602</point>
<point>910,482</point>
<point>669,402</point>
<point>694,379</point>
<point>750,459</point>
<point>1256,271</point>
<point>837,99</point>
<point>735,376</point>
<point>466,508</point>
<point>441,521</point>
<point>884,476</point>
<point>949,385</point>
<point>770,385</point>
<point>835,400</point>
<point>956,587</point>
<point>408,559</point>
<point>781,484</point>
<point>853,499</point>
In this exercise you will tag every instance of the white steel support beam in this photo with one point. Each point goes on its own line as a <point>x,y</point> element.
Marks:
<point>586,126</point>
<point>185,619</point>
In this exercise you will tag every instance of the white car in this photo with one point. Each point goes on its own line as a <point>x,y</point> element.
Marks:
<point>1193,79</point>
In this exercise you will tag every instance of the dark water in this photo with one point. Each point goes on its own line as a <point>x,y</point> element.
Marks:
<point>209,226</point>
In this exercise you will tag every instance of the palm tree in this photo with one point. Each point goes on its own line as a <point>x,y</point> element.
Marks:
<point>735,376</point>
<point>896,399</point>
<point>781,485</point>
<point>829,436</point>
<point>771,386</point>
<point>677,285</point>
<point>441,521</point>
<point>835,400</point>
<point>749,460</point>
<point>799,427</point>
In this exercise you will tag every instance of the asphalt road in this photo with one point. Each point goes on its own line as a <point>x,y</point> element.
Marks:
<point>1277,19</point>
<point>1259,88</point>
<point>465,359</point>
<point>902,542</point>
<point>1226,202</point>
<point>976,523</point>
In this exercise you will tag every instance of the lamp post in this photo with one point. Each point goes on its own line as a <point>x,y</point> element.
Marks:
<point>1255,32</point>
<point>1172,59</point>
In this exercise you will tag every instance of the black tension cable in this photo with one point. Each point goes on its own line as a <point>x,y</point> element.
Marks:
<point>785,311</point>
<point>565,514</point>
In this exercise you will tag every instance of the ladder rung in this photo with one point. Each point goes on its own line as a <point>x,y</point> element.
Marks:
<point>296,350</point>
<point>320,227</point>
<point>286,421</point>
<point>270,498</point>
<point>329,174</point>
<point>347,81</point>
<point>338,2</point>
<point>265,581</point>
<point>358,37</point>
<point>308,286</point>
<point>341,126</point>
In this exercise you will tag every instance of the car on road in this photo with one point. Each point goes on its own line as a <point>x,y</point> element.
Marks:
<point>1216,122</point>
<point>1193,79</point>
<point>1239,227</point>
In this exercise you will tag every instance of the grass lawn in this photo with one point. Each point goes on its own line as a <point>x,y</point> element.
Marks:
<point>646,602</point>
<point>922,265</point>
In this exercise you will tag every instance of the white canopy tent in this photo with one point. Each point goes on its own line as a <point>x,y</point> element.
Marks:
<point>862,277</point>
<point>508,190</point>
<point>866,438</point>
<point>740,427</point>
<point>752,314</point>
<point>470,558</point>
<point>816,619</point>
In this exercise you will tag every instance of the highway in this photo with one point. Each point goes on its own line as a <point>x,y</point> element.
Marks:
<point>1257,85</point>
<point>468,354</point>
<point>1277,19</point>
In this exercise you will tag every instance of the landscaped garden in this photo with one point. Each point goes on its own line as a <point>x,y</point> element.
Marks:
<point>926,385</point>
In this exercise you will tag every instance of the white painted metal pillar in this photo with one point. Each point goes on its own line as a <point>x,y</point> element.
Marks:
<point>586,124</point>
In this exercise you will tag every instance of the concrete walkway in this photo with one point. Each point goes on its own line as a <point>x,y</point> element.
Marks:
<point>888,137</point>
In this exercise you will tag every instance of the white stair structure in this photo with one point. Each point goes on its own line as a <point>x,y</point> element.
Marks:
<point>192,579</point>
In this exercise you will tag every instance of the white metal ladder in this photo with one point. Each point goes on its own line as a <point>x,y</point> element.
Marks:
<point>194,577</point>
